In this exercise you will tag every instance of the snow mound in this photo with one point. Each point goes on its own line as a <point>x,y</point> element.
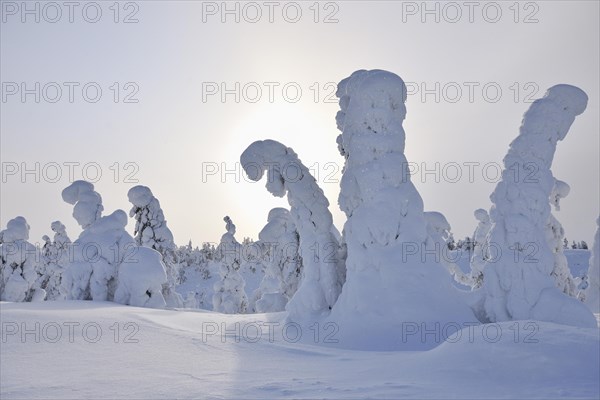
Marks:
<point>140,278</point>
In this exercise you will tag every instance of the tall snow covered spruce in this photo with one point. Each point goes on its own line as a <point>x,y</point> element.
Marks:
<point>518,284</point>
<point>323,271</point>
<point>151,231</point>
<point>284,267</point>
<point>55,258</point>
<point>391,282</point>
<point>555,235</point>
<point>229,294</point>
<point>592,292</point>
<point>480,247</point>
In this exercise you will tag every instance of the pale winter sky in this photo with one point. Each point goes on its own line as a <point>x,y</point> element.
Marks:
<point>169,94</point>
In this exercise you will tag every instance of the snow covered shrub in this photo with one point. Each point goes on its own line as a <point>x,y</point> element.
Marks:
<point>323,271</point>
<point>283,267</point>
<point>391,280</point>
<point>555,235</point>
<point>140,279</point>
<point>592,292</point>
<point>151,231</point>
<point>480,247</point>
<point>229,295</point>
<point>19,264</point>
<point>518,284</point>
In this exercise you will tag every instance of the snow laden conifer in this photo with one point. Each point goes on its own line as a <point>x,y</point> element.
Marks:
<point>107,264</point>
<point>518,284</point>
<point>438,231</point>
<point>55,258</point>
<point>19,264</point>
<point>323,270</point>
<point>283,265</point>
<point>481,247</point>
<point>555,235</point>
<point>591,294</point>
<point>151,231</point>
<point>229,295</point>
<point>391,280</point>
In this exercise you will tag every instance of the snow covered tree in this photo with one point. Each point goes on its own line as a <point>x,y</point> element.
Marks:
<point>151,231</point>
<point>451,243</point>
<point>283,267</point>
<point>103,251</point>
<point>555,236</point>
<point>87,202</point>
<point>438,232</point>
<point>323,270</point>
<point>229,296</point>
<point>591,295</point>
<point>19,264</point>
<point>391,280</point>
<point>519,284</point>
<point>480,248</point>
<point>55,257</point>
<point>141,279</point>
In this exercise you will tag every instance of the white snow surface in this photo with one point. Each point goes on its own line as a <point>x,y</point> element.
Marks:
<point>182,354</point>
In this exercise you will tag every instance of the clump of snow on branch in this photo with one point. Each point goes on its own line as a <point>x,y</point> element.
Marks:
<point>323,271</point>
<point>391,280</point>
<point>88,203</point>
<point>519,284</point>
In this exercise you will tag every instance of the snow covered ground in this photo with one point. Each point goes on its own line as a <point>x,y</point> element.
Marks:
<point>83,349</point>
<point>56,350</point>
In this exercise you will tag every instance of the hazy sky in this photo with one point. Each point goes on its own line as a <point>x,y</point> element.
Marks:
<point>161,118</point>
